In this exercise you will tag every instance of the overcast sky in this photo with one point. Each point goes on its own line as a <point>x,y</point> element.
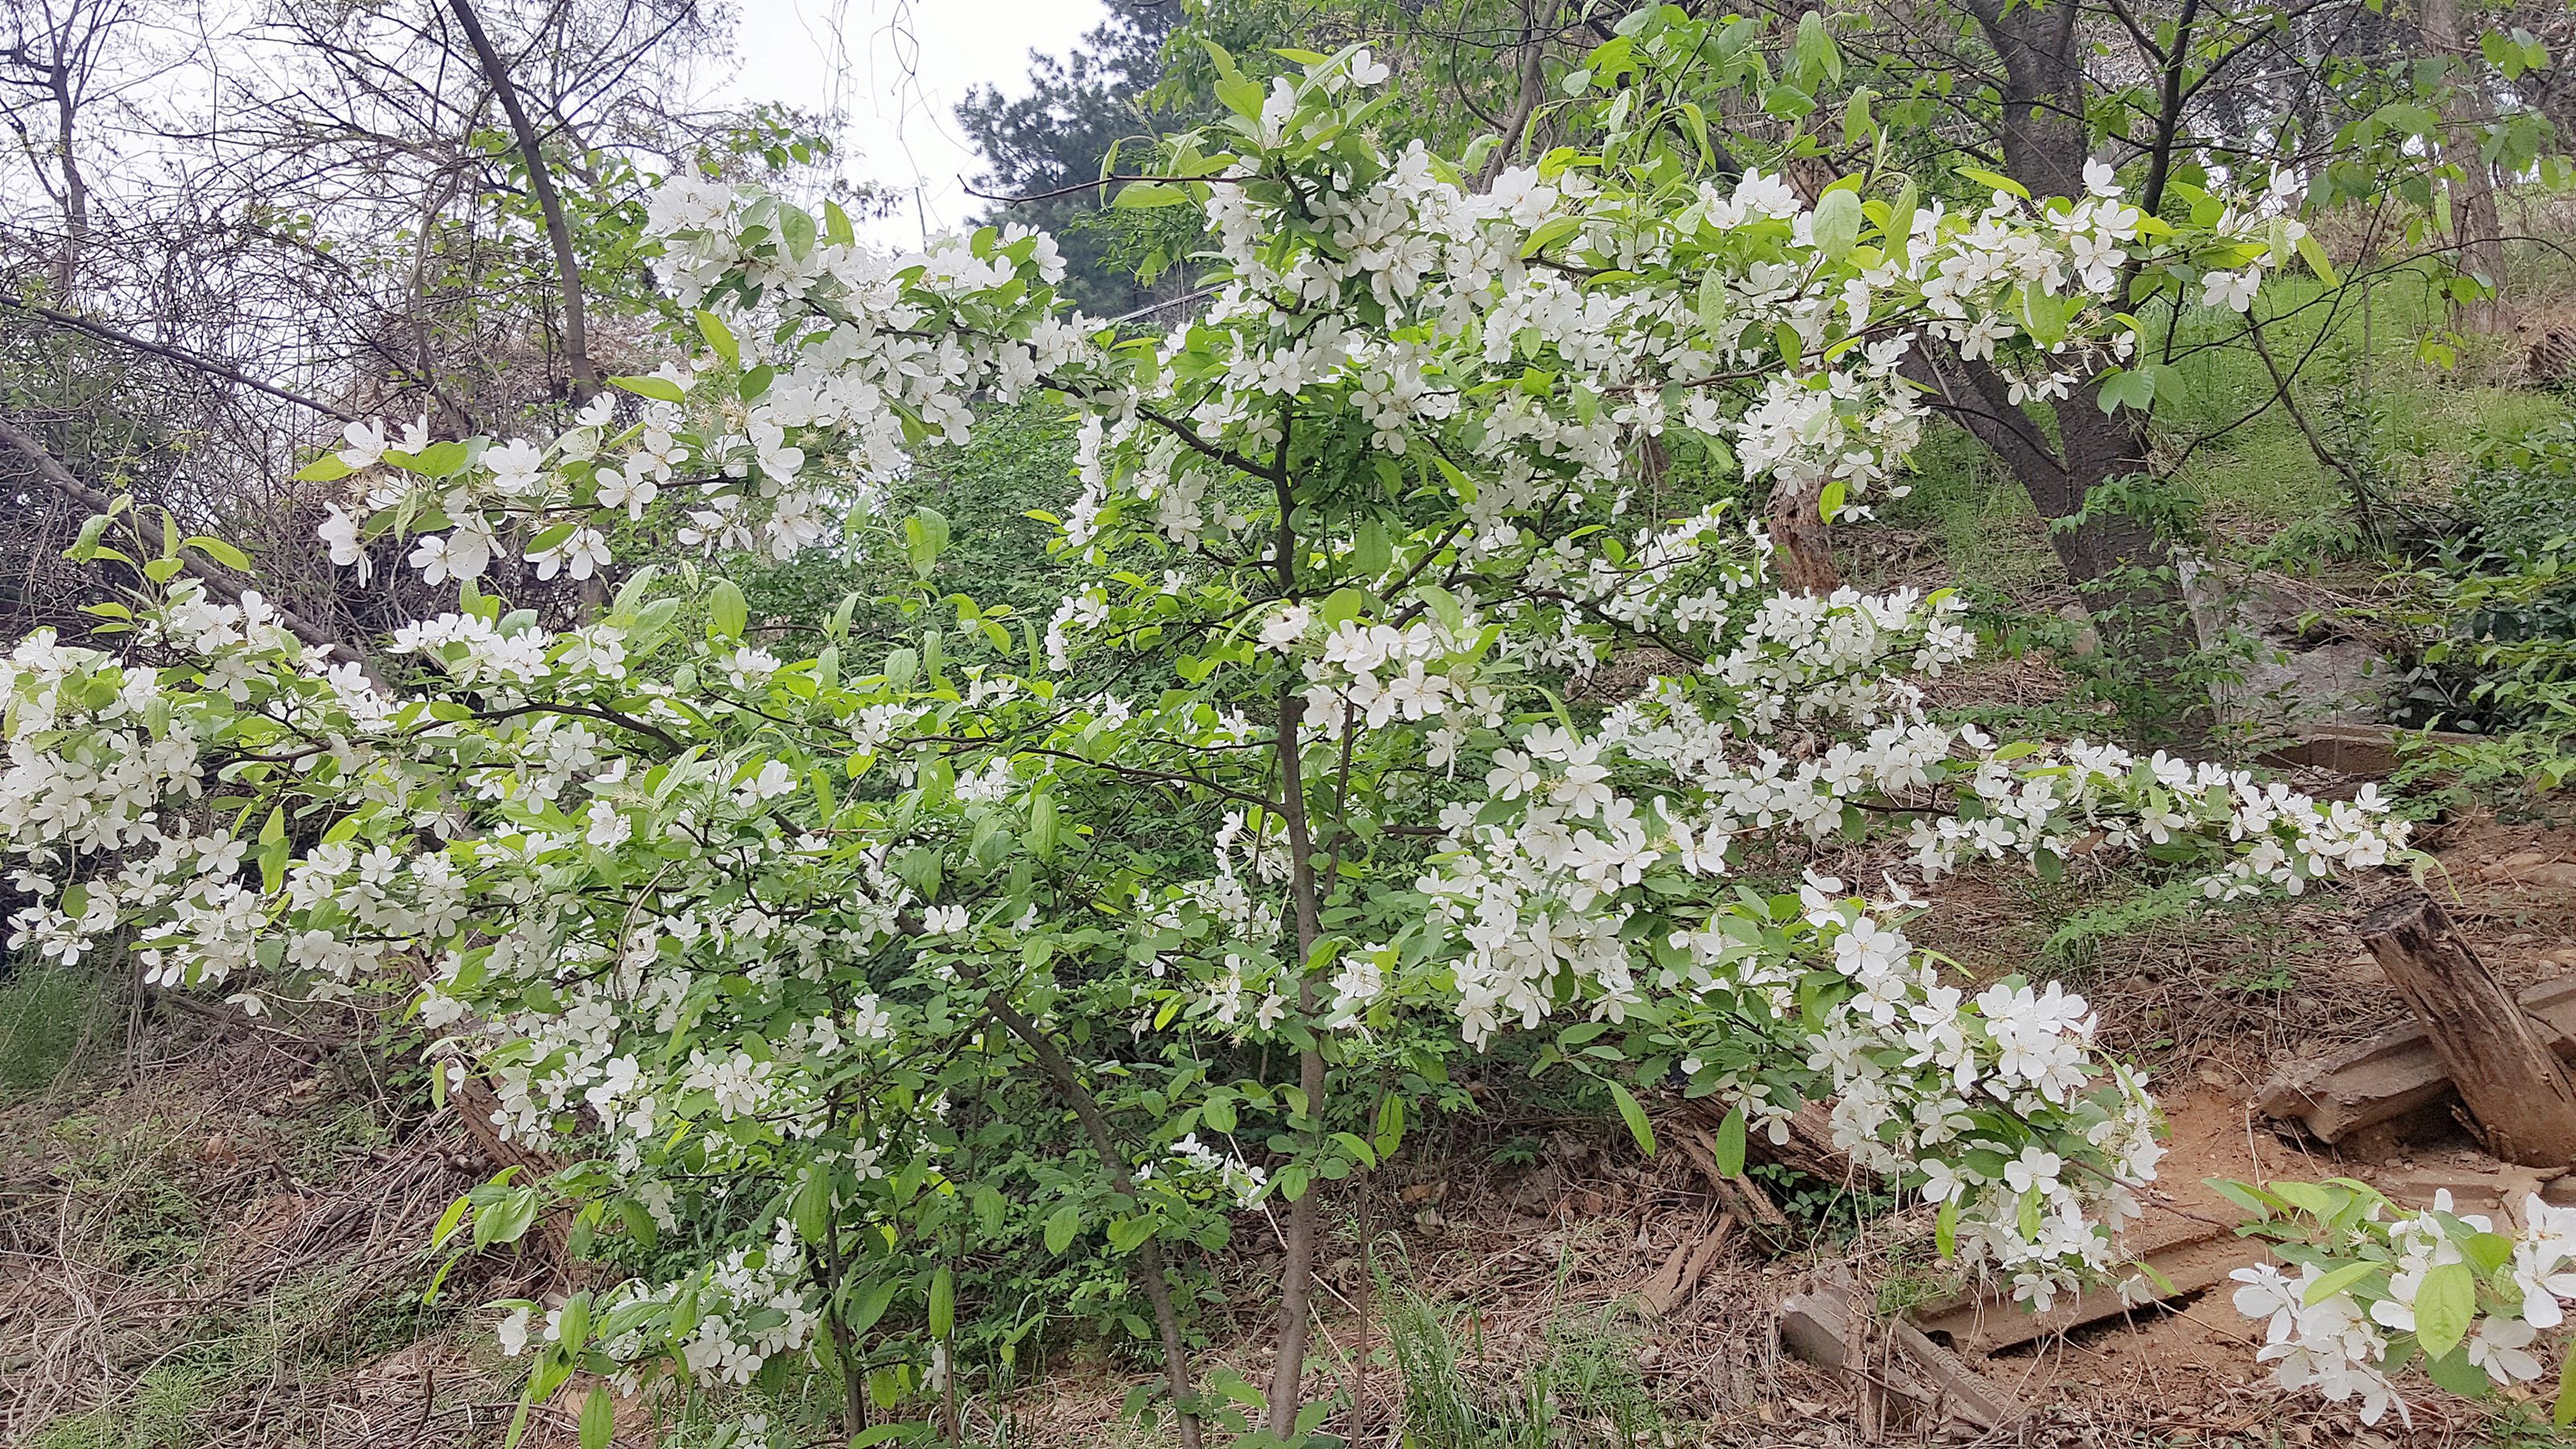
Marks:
<point>897,69</point>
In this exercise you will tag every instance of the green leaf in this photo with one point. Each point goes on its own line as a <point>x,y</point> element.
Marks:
<point>1634,1116</point>
<point>2315,256</point>
<point>719,336</point>
<point>2307,1197</point>
<point>1712,299</point>
<point>2488,1250</point>
<point>872,1306</point>
<point>221,552</point>
<point>1945,1228</point>
<point>2335,1282</point>
<point>1141,194</point>
<point>943,1301</point>
<point>2243,1196</point>
<point>1553,230</point>
<point>661,389</point>
<point>812,1213</point>
<point>1838,218</point>
<point>1061,1226</point>
<point>639,1223</point>
<point>2122,389</point>
<point>2445,1306</point>
<point>1858,125</point>
<point>727,613</point>
<point>324,469</point>
<point>2453,1371</point>
<point>1728,1147</point>
<point>455,1214</point>
<point>1993,182</point>
<point>1390,1125</point>
<point>598,1419</point>
<point>507,1220</point>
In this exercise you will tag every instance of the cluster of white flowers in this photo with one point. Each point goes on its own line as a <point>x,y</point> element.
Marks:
<point>2373,1291</point>
<point>1198,1167</point>
<point>729,1319</point>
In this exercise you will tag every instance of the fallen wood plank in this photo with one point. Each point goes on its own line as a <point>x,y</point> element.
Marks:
<point>1672,1284</point>
<point>1662,1290</point>
<point>1702,1256</point>
<point>2472,1191</point>
<point>2192,1255</point>
<point>1897,1372</point>
<point>2398,1071</point>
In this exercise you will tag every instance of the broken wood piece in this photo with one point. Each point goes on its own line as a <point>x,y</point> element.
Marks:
<point>1662,1290</point>
<point>2398,1071</point>
<point>1672,1284</point>
<point>1703,1255</point>
<point>2191,1254</point>
<point>2521,1095</point>
<point>1959,1391</point>
<point>2472,1191</point>
<point>1830,1324</point>
<point>1736,1190</point>
<point>1824,1323</point>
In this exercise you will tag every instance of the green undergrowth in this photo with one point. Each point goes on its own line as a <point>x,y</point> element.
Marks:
<point>54,1023</point>
<point>1581,1388</point>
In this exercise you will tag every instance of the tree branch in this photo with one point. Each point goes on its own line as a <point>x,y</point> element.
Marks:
<point>1149,1256</point>
<point>180,355</point>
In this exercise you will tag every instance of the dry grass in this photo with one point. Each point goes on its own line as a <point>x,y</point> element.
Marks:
<point>223,1244</point>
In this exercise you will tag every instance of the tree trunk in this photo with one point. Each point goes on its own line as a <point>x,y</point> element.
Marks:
<point>2474,217</point>
<point>1533,78</point>
<point>1297,1274</point>
<point>1803,557</point>
<point>75,185</point>
<point>2124,570</point>
<point>2500,1059</point>
<point>585,377</point>
<point>2091,450</point>
<point>2043,134</point>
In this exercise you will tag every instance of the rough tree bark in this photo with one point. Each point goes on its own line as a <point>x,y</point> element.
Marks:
<point>2045,145</point>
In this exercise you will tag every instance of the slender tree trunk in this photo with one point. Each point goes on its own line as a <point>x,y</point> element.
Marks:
<point>1533,78</point>
<point>1297,1275</point>
<point>75,184</point>
<point>2475,219</point>
<point>585,377</point>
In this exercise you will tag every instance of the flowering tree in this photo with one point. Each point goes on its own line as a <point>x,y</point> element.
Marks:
<point>766,942</point>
